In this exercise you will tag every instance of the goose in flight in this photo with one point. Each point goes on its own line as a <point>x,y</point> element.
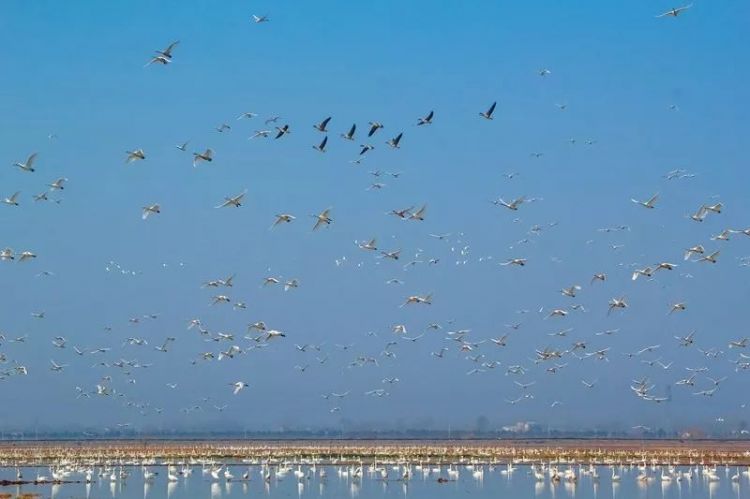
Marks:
<point>26,255</point>
<point>689,381</point>
<point>588,384</point>
<point>235,201</point>
<point>57,185</point>
<point>617,303</point>
<point>365,148</point>
<point>393,255</point>
<point>260,133</point>
<point>739,343</point>
<point>521,262</point>
<point>419,214</point>
<point>665,266</point>
<point>695,250</point>
<point>370,245</point>
<point>416,299</point>
<point>322,219</point>
<point>223,127</point>
<point>208,156</point>
<point>488,114</point>
<point>699,215</point>
<point>710,258</point>
<point>350,134</point>
<point>427,120</point>
<point>6,254</point>
<point>167,52</point>
<point>598,277</point>
<point>246,116</point>
<point>571,291</point>
<point>281,131</point>
<point>221,299</point>
<point>677,307</point>
<point>136,155</point>
<point>675,11</point>
<point>158,59</point>
<point>322,146</point>
<point>283,218</point>
<point>686,341</point>
<point>403,214</point>
<point>12,200</point>
<point>394,142</point>
<point>650,204</point>
<point>374,127</point>
<point>57,367</point>
<point>647,272</point>
<point>28,165</point>
<point>238,387</point>
<point>513,205</point>
<point>163,347</point>
<point>150,210</point>
<point>272,333</point>
<point>501,341</point>
<point>321,127</point>
<point>182,147</point>
<point>260,19</point>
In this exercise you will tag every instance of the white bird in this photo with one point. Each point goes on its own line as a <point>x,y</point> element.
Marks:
<point>238,387</point>
<point>695,250</point>
<point>513,205</point>
<point>675,11</point>
<point>150,210</point>
<point>283,218</point>
<point>208,156</point>
<point>28,165</point>
<point>235,201</point>
<point>135,155</point>
<point>651,203</point>
<point>260,19</point>
<point>710,258</point>
<point>58,184</point>
<point>12,200</point>
<point>322,219</point>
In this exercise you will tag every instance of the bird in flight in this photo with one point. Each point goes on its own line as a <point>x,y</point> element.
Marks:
<point>136,155</point>
<point>322,219</point>
<point>322,146</point>
<point>150,210</point>
<point>235,201</point>
<point>350,134</point>
<point>321,127</point>
<point>28,165</point>
<point>427,120</point>
<point>374,127</point>
<point>208,156</point>
<point>650,203</point>
<point>675,11</point>
<point>488,114</point>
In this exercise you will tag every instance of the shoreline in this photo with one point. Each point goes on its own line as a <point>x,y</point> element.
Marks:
<point>340,452</point>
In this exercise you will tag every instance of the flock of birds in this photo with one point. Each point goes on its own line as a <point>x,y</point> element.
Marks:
<point>307,472</point>
<point>479,352</point>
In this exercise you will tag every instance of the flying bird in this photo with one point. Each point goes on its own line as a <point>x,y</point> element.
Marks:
<point>488,114</point>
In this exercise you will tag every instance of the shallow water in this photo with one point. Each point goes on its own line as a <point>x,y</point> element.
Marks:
<point>479,482</point>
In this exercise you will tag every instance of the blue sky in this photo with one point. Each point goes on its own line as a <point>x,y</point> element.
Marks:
<point>76,70</point>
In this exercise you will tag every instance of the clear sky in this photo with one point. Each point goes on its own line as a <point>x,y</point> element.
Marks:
<point>642,96</point>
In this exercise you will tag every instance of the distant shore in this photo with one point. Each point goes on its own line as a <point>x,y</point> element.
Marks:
<point>159,452</point>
